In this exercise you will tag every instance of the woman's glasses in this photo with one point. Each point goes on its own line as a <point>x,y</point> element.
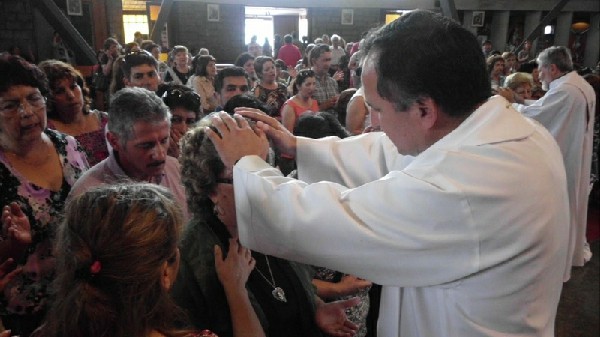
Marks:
<point>13,107</point>
<point>228,181</point>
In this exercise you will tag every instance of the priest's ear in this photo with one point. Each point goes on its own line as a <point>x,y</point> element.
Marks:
<point>428,112</point>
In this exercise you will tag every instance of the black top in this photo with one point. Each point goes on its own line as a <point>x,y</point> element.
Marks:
<point>183,77</point>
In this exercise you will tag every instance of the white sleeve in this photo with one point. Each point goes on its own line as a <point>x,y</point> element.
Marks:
<point>551,109</point>
<point>397,230</point>
<point>351,162</point>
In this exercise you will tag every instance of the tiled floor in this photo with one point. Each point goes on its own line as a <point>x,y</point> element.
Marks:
<point>579,307</point>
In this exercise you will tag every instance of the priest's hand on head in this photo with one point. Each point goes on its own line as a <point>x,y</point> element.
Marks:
<point>281,137</point>
<point>234,138</point>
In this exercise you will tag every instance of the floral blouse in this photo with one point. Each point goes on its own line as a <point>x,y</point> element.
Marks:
<point>28,292</point>
<point>356,314</point>
<point>94,143</point>
<point>273,98</point>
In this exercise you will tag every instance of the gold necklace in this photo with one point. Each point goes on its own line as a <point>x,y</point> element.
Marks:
<point>277,292</point>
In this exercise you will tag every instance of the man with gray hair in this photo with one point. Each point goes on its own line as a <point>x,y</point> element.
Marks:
<point>567,111</point>
<point>138,131</point>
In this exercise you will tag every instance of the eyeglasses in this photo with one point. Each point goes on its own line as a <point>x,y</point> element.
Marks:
<point>179,120</point>
<point>228,181</point>
<point>10,108</point>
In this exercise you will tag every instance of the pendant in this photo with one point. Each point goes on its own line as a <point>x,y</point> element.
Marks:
<point>279,294</point>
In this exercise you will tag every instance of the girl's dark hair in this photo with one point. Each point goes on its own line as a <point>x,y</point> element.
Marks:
<point>56,71</point>
<point>199,63</point>
<point>111,248</point>
<point>15,70</point>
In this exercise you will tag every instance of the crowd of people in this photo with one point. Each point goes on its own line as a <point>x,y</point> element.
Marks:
<point>184,201</point>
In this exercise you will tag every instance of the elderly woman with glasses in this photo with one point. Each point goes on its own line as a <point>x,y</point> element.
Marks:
<point>38,166</point>
<point>280,291</point>
<point>69,109</point>
<point>185,106</point>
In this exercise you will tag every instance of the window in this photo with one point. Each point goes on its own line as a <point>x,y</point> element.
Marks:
<point>134,23</point>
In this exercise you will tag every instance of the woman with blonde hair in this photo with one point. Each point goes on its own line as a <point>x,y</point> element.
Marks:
<point>521,84</point>
<point>117,258</point>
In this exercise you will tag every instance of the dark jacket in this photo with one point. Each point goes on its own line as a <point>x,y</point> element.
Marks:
<point>199,292</point>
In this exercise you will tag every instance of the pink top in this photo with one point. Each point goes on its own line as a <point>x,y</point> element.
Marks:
<point>299,109</point>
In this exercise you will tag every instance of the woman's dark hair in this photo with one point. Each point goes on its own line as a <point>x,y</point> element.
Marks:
<point>16,71</point>
<point>300,78</point>
<point>409,55</point>
<point>307,50</point>
<point>341,105</point>
<point>319,125</point>
<point>259,64</point>
<point>242,59</point>
<point>528,67</point>
<point>246,101</point>
<point>176,95</point>
<point>279,63</point>
<point>149,45</point>
<point>491,61</point>
<point>55,72</point>
<point>199,64</point>
<point>111,248</point>
<point>109,42</point>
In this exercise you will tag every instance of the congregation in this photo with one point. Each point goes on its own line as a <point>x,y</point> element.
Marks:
<point>180,198</point>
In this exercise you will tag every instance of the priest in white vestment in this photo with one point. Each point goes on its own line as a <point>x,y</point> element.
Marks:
<point>458,208</point>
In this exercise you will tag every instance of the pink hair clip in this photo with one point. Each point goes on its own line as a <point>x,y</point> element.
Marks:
<point>95,267</point>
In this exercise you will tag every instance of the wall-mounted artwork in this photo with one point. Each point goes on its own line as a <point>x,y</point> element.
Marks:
<point>74,7</point>
<point>347,16</point>
<point>213,12</point>
<point>478,18</point>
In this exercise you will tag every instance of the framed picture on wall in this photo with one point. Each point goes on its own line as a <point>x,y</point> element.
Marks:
<point>74,7</point>
<point>213,12</point>
<point>347,16</point>
<point>478,19</point>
